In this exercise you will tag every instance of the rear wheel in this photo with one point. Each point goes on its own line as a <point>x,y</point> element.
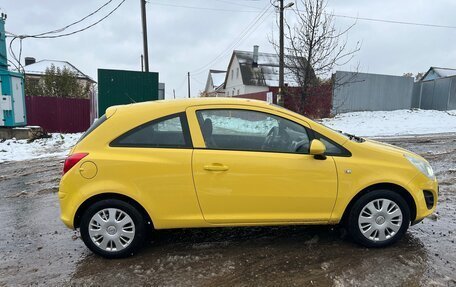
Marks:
<point>113,228</point>
<point>379,218</point>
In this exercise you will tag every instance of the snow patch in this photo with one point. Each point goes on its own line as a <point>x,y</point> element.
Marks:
<point>394,123</point>
<point>58,145</point>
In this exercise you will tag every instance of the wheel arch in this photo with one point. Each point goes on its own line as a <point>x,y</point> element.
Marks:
<point>110,195</point>
<point>388,186</point>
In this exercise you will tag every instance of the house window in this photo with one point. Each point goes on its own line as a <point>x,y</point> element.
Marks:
<point>237,73</point>
<point>232,74</point>
<point>238,92</point>
<point>232,93</point>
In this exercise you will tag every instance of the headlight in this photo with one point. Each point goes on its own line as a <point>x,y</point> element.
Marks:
<point>421,165</point>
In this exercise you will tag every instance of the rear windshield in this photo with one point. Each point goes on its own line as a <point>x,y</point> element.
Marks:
<point>95,125</point>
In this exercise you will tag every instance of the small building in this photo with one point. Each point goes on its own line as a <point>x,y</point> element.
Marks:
<point>56,112</point>
<point>436,90</point>
<point>35,70</point>
<point>437,73</point>
<point>215,84</point>
<point>253,72</point>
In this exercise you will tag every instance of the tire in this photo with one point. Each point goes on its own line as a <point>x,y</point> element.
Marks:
<point>379,218</point>
<point>113,228</point>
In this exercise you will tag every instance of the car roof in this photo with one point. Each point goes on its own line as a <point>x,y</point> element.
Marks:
<point>184,103</point>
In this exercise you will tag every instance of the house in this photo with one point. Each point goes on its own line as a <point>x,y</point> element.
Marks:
<point>58,113</point>
<point>436,90</point>
<point>35,70</point>
<point>436,73</point>
<point>215,84</point>
<point>253,72</point>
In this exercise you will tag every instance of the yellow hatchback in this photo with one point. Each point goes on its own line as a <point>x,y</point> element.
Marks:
<point>214,162</point>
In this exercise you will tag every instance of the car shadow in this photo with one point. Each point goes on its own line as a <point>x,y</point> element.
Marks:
<point>260,256</point>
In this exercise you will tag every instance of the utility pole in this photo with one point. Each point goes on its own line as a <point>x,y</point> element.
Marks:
<point>188,81</point>
<point>142,63</point>
<point>144,29</point>
<point>280,100</point>
<point>280,95</point>
<point>174,93</point>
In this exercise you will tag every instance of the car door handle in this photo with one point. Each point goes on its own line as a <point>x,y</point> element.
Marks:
<point>216,167</point>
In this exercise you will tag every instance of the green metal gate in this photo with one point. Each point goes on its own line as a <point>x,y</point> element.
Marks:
<point>117,87</point>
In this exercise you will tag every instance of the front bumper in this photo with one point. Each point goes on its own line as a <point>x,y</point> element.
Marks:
<point>423,187</point>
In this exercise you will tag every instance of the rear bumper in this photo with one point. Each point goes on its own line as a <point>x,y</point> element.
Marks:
<point>66,209</point>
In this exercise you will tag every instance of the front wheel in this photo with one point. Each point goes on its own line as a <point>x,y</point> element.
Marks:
<point>112,228</point>
<point>379,218</point>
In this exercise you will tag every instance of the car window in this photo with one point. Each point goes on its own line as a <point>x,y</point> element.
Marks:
<point>234,129</point>
<point>171,131</point>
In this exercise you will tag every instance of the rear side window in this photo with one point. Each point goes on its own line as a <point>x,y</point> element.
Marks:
<point>167,132</point>
<point>95,125</point>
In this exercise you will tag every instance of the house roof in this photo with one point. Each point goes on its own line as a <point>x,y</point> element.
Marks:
<point>218,77</point>
<point>215,81</point>
<point>267,72</point>
<point>39,68</point>
<point>437,72</point>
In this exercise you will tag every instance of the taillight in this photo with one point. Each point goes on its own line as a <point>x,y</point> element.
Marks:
<point>72,160</point>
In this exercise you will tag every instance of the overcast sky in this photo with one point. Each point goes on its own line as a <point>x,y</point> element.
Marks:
<point>198,35</point>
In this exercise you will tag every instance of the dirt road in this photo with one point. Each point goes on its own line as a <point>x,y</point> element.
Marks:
<point>36,248</point>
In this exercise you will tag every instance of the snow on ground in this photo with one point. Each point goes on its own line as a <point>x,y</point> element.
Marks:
<point>371,124</point>
<point>58,145</point>
<point>394,123</point>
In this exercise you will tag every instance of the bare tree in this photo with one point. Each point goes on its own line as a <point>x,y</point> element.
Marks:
<point>313,45</point>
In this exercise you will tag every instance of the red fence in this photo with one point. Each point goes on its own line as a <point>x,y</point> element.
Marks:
<point>317,102</point>
<point>58,114</point>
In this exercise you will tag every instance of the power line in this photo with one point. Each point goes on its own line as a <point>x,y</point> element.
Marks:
<point>182,83</point>
<point>45,35</point>
<point>201,8</point>
<point>236,41</point>
<point>197,80</point>
<point>85,28</point>
<point>76,22</point>
<point>394,21</point>
<point>236,3</point>
<point>335,15</point>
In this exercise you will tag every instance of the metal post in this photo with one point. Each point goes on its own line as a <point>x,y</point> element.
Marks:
<point>142,63</point>
<point>188,81</point>
<point>144,29</point>
<point>280,100</point>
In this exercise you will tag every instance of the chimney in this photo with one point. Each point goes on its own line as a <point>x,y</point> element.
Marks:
<point>29,61</point>
<point>255,56</point>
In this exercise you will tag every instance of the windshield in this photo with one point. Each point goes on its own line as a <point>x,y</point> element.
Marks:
<point>349,136</point>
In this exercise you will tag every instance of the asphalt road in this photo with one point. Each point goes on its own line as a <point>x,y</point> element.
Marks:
<point>36,248</point>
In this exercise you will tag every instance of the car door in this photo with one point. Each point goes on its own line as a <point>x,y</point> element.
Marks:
<point>252,165</point>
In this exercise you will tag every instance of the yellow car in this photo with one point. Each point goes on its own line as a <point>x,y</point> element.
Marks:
<point>214,162</point>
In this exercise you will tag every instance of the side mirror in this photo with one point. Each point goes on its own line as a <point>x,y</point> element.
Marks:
<point>317,148</point>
